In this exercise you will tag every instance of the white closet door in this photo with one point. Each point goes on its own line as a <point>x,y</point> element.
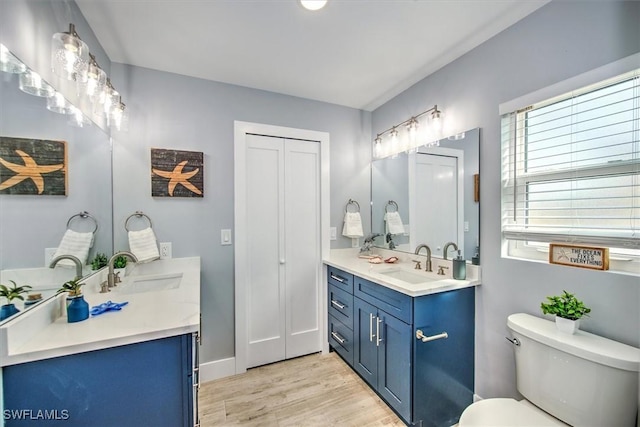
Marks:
<point>265,232</point>
<point>434,197</point>
<point>302,247</point>
<point>283,220</point>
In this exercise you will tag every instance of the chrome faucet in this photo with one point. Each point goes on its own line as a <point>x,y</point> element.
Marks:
<point>446,248</point>
<point>427,266</point>
<point>111,277</point>
<point>75,260</point>
<point>368,242</point>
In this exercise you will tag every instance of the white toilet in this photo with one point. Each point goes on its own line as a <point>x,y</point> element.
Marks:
<point>579,380</point>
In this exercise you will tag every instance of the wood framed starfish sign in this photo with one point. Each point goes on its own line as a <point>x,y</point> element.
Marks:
<point>176,173</point>
<point>33,166</point>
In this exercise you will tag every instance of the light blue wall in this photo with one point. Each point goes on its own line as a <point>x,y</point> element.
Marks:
<point>178,112</point>
<point>558,41</point>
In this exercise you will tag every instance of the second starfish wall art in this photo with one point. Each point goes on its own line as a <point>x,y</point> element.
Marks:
<point>176,173</point>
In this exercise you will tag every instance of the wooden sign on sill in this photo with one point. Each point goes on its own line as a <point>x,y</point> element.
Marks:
<point>595,258</point>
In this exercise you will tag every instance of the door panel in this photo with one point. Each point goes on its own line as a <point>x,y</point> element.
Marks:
<point>302,247</point>
<point>394,364</point>
<point>265,290</point>
<point>365,354</point>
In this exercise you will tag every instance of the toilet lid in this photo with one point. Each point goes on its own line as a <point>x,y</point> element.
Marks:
<point>506,413</point>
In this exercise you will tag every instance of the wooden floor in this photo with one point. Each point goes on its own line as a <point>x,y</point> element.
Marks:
<point>314,390</point>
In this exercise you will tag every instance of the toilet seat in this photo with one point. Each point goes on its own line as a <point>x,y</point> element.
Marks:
<point>506,413</point>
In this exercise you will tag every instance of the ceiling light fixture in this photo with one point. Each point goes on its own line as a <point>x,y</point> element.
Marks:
<point>412,139</point>
<point>313,4</point>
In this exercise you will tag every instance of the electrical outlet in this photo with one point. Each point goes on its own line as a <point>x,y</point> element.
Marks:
<point>165,250</point>
<point>355,242</point>
<point>48,255</point>
<point>333,233</point>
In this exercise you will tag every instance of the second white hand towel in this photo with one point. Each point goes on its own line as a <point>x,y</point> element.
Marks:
<point>76,244</point>
<point>352,225</point>
<point>394,223</point>
<point>143,245</point>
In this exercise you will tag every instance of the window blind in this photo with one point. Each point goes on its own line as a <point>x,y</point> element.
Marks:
<point>571,167</point>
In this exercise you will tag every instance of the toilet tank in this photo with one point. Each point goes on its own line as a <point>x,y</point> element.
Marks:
<point>582,379</point>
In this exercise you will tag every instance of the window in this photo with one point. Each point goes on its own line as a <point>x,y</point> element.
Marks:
<point>571,172</point>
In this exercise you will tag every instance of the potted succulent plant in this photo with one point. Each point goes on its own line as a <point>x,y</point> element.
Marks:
<point>567,309</point>
<point>11,293</point>
<point>99,261</point>
<point>77,307</point>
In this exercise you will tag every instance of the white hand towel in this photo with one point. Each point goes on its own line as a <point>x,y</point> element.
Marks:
<point>76,244</point>
<point>143,245</point>
<point>352,225</point>
<point>394,223</point>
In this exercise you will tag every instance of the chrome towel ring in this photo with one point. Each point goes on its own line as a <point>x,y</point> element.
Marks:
<point>352,202</point>
<point>137,214</point>
<point>84,215</point>
<point>391,203</point>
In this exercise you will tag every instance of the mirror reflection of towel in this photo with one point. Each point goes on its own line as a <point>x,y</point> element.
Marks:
<point>352,225</point>
<point>76,244</point>
<point>393,223</point>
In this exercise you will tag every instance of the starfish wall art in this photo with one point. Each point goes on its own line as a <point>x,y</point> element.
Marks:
<point>176,173</point>
<point>33,166</point>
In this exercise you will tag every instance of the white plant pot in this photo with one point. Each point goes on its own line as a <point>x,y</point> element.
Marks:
<point>567,326</point>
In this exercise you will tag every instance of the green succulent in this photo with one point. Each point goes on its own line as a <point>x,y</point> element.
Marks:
<point>566,306</point>
<point>72,286</point>
<point>99,261</point>
<point>120,261</point>
<point>14,292</point>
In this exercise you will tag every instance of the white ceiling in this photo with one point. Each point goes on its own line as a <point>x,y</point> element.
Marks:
<point>356,53</point>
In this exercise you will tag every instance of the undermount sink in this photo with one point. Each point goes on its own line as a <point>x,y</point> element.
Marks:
<point>406,276</point>
<point>151,282</point>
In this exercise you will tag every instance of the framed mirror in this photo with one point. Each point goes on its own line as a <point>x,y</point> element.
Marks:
<point>32,224</point>
<point>430,196</point>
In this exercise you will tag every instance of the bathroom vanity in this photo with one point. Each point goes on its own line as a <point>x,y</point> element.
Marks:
<point>408,333</point>
<point>136,366</point>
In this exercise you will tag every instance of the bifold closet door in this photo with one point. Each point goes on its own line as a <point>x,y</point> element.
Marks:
<point>283,223</point>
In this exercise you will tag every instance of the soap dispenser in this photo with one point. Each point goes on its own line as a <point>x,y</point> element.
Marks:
<point>459,268</point>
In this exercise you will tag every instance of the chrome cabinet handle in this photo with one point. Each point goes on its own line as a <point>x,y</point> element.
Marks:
<point>371,336</point>
<point>338,278</point>
<point>424,338</point>
<point>338,338</point>
<point>337,304</point>
<point>378,339</point>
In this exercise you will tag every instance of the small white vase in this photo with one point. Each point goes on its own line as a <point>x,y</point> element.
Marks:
<point>567,326</point>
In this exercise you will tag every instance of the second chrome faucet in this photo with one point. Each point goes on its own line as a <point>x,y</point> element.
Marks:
<point>427,266</point>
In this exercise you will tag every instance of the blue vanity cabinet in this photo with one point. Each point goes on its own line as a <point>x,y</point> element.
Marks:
<point>150,383</point>
<point>382,354</point>
<point>340,303</point>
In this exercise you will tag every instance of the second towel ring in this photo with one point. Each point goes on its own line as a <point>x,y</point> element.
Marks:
<point>84,214</point>
<point>137,214</point>
<point>390,203</point>
<point>352,202</point>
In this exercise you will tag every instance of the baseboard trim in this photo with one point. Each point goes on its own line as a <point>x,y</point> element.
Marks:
<point>217,369</point>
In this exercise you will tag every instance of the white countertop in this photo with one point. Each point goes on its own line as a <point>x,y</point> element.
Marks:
<point>44,332</point>
<point>348,260</point>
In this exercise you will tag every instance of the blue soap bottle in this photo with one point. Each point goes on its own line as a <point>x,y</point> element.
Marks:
<point>459,268</point>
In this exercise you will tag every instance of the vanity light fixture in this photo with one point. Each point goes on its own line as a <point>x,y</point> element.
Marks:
<point>69,55</point>
<point>119,116</point>
<point>58,104</point>
<point>30,82</point>
<point>411,139</point>
<point>95,81</point>
<point>313,4</point>
<point>9,63</point>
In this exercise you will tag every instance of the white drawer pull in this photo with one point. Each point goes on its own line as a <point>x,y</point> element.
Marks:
<point>338,278</point>
<point>337,304</point>
<point>338,338</point>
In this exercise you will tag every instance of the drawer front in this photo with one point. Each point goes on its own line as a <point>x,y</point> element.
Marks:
<point>340,305</point>
<point>341,339</point>
<point>393,302</point>
<point>341,279</point>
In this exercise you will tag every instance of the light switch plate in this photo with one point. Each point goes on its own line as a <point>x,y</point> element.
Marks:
<point>333,233</point>
<point>225,237</point>
<point>355,242</point>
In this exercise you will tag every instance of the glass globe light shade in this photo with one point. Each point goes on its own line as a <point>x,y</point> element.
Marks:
<point>69,55</point>
<point>58,104</point>
<point>30,82</point>
<point>9,63</point>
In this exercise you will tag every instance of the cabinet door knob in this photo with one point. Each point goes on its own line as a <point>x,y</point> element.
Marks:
<point>282,261</point>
